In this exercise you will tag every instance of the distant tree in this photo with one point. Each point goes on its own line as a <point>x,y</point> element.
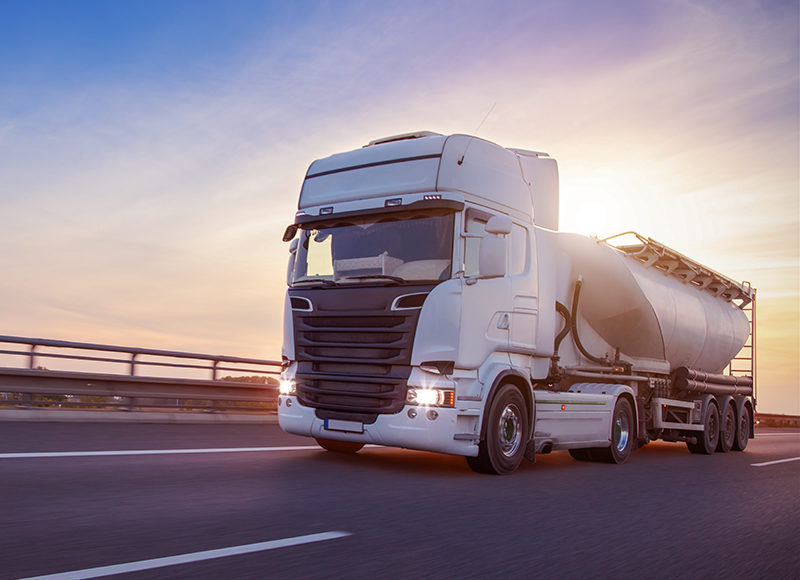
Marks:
<point>254,379</point>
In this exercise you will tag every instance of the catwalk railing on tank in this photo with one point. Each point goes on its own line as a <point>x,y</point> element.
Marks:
<point>40,372</point>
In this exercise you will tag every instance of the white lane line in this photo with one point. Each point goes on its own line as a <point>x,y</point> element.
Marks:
<point>191,557</point>
<point>778,434</point>
<point>153,452</point>
<point>775,462</point>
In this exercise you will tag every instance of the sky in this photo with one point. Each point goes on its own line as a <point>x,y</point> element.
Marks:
<point>151,153</point>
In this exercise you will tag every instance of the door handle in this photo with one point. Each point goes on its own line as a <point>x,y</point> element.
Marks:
<point>504,322</point>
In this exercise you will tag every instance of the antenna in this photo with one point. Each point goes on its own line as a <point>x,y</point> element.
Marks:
<point>486,116</point>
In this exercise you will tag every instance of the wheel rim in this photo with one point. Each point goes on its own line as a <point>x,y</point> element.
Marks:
<point>712,427</point>
<point>730,426</point>
<point>621,432</point>
<point>509,431</point>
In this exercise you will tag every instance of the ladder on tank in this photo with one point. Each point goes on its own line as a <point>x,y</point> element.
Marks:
<point>744,363</point>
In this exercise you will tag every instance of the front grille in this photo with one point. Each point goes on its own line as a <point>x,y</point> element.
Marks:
<point>354,363</point>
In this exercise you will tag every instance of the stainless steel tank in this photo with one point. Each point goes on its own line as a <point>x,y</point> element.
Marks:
<point>649,314</point>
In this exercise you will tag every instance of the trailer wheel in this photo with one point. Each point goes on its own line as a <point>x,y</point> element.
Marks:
<point>349,447</point>
<point>742,430</point>
<point>621,436</point>
<point>507,432</point>
<point>727,429</point>
<point>706,442</point>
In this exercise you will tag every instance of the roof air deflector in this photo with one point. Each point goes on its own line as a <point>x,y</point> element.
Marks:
<point>403,137</point>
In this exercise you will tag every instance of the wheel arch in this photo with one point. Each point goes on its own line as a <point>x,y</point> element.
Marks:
<point>516,378</point>
<point>628,396</point>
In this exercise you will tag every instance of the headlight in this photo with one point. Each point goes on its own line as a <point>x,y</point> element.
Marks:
<point>286,387</point>
<point>431,397</point>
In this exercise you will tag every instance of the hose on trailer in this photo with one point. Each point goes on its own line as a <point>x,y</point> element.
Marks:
<point>574,326</point>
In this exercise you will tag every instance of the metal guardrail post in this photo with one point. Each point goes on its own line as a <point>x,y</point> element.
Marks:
<point>133,364</point>
<point>32,357</point>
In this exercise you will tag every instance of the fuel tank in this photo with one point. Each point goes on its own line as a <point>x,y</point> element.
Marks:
<point>650,312</point>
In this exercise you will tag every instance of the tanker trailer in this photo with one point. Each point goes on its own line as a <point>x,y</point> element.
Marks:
<point>677,324</point>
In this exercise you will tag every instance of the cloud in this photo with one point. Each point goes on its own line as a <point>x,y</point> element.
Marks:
<point>145,205</point>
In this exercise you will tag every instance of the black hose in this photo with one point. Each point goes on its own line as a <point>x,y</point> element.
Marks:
<point>574,325</point>
<point>563,311</point>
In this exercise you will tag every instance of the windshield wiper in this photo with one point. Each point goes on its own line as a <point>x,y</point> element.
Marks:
<point>397,279</point>
<point>314,281</point>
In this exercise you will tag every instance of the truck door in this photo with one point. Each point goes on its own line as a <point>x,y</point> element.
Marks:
<point>522,271</point>
<point>486,302</point>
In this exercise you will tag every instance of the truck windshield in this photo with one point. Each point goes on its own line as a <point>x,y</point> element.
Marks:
<point>389,248</point>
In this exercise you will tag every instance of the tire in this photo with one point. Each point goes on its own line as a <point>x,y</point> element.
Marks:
<point>348,447</point>
<point>727,429</point>
<point>742,430</point>
<point>706,442</point>
<point>622,435</point>
<point>507,433</point>
<point>581,454</point>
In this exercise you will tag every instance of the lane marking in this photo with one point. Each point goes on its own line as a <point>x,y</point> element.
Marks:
<point>153,452</point>
<point>778,434</point>
<point>191,557</point>
<point>775,462</point>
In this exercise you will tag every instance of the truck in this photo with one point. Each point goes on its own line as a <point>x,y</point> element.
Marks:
<point>433,304</point>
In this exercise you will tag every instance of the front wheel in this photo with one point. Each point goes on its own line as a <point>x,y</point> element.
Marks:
<point>507,434</point>
<point>349,447</point>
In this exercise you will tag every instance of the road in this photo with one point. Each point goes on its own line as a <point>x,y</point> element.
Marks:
<point>396,513</point>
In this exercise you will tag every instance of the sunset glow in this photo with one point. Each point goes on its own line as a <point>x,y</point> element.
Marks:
<point>151,154</point>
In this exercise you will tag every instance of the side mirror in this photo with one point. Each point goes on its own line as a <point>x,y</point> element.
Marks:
<point>492,256</point>
<point>290,232</point>
<point>499,225</point>
<point>292,256</point>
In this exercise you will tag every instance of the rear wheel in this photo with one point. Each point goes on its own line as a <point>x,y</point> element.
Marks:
<point>507,431</point>
<point>581,454</point>
<point>742,430</point>
<point>706,442</point>
<point>340,446</point>
<point>727,429</point>
<point>621,435</point>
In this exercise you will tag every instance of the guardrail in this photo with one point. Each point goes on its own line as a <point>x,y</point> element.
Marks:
<point>249,386</point>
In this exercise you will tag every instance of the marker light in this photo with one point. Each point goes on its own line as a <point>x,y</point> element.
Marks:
<point>287,387</point>
<point>393,202</point>
<point>431,397</point>
<point>432,196</point>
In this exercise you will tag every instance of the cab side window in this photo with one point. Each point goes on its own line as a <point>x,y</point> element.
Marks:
<point>475,223</point>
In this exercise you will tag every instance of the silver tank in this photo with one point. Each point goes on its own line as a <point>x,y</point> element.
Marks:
<point>646,313</point>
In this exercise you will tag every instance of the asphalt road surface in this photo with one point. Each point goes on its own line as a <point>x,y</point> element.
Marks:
<point>289,510</point>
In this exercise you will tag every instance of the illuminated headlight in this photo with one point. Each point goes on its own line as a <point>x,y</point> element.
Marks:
<point>287,387</point>
<point>431,397</point>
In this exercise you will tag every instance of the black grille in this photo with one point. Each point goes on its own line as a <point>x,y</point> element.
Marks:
<point>354,363</point>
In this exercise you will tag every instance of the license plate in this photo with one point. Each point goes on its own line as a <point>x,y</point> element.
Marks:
<point>348,426</point>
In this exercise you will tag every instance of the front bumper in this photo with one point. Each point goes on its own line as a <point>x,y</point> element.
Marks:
<point>397,430</point>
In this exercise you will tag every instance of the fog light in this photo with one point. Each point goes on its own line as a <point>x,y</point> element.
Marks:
<point>287,387</point>
<point>412,413</point>
<point>433,415</point>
